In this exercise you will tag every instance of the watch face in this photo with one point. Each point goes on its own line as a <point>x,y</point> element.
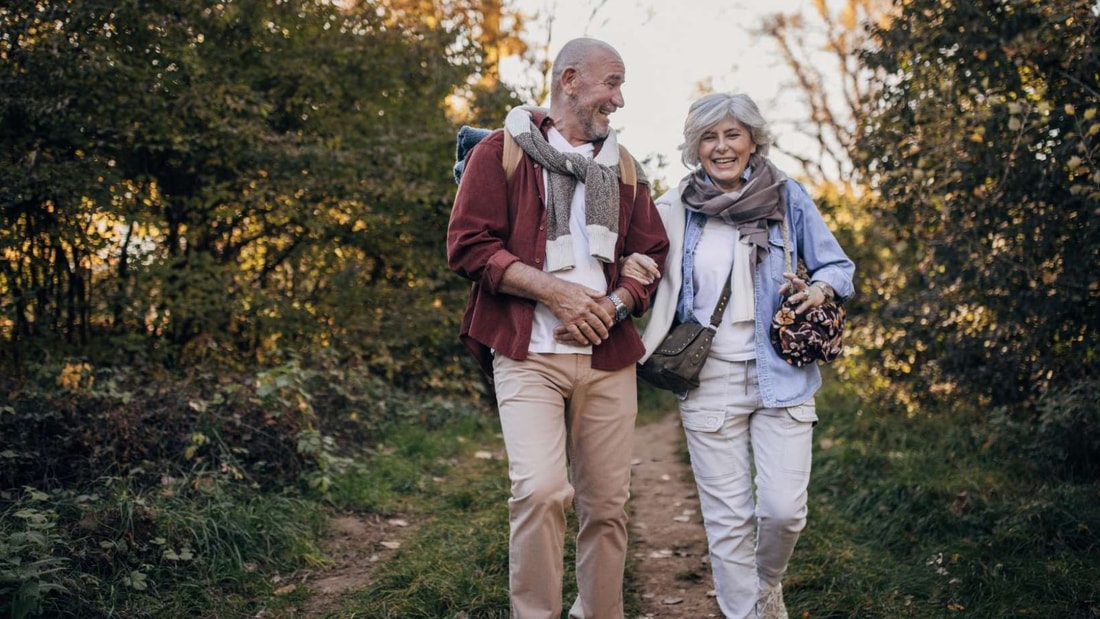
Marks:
<point>621,312</point>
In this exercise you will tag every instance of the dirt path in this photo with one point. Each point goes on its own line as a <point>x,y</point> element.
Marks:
<point>355,544</point>
<point>667,538</point>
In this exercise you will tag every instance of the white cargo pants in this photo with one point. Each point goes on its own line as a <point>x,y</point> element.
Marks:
<point>728,431</point>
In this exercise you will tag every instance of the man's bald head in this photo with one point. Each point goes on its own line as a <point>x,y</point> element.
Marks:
<point>575,55</point>
<point>588,75</point>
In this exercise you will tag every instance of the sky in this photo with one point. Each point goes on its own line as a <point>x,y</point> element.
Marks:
<point>670,47</point>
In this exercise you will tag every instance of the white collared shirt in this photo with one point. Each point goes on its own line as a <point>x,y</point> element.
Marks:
<point>587,270</point>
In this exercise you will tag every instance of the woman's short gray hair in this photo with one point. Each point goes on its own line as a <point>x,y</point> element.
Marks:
<point>712,109</point>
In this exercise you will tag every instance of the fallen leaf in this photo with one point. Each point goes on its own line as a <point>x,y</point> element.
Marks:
<point>672,601</point>
<point>961,504</point>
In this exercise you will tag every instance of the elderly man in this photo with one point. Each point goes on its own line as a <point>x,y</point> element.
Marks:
<point>542,239</point>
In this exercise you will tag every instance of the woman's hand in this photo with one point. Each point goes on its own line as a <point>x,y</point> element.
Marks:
<point>641,268</point>
<point>800,290</point>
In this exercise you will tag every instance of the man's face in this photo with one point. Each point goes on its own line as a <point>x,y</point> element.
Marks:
<point>595,93</point>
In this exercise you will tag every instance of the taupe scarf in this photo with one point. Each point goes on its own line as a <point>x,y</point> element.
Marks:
<point>760,200</point>
<point>600,176</point>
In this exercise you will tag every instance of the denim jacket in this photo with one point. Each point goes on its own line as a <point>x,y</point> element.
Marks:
<point>781,384</point>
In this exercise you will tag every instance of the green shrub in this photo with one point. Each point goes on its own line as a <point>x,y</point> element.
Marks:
<point>30,571</point>
<point>1067,436</point>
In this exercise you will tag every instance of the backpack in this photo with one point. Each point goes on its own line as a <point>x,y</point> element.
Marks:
<point>468,137</point>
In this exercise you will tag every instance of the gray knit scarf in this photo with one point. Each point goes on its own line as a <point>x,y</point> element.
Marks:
<point>601,191</point>
<point>760,200</point>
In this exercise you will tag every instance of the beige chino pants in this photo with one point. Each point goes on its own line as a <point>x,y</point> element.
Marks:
<point>568,430</point>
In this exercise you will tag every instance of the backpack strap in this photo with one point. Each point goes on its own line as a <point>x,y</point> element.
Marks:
<point>627,171</point>
<point>513,154</point>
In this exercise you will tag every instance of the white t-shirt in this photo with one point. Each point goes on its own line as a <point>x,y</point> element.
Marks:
<point>588,271</point>
<point>719,249</point>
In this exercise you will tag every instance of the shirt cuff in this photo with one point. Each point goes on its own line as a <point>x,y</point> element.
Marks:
<point>493,275</point>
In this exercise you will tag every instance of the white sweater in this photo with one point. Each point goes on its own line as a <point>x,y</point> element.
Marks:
<point>663,308</point>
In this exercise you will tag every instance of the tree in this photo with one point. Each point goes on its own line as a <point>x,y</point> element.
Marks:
<point>823,55</point>
<point>183,179</point>
<point>837,90</point>
<point>983,148</point>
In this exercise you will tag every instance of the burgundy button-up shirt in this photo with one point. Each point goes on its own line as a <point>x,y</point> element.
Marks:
<point>497,221</point>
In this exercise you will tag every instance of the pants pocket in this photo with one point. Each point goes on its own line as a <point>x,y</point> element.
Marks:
<point>804,413</point>
<point>716,452</point>
<point>701,420</point>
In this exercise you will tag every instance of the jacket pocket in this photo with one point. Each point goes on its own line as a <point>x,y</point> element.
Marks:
<point>776,261</point>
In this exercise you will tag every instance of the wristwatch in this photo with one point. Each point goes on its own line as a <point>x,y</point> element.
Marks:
<point>621,311</point>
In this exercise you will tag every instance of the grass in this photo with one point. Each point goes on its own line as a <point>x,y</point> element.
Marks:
<point>910,516</point>
<point>918,516</point>
<point>120,552</point>
<point>456,564</point>
<point>458,559</point>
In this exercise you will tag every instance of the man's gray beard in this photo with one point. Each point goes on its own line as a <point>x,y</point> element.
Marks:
<point>588,123</point>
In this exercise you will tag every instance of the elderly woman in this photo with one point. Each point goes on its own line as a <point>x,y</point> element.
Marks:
<point>725,222</point>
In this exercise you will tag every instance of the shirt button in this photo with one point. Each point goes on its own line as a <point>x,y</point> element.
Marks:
<point>540,228</point>
<point>538,260</point>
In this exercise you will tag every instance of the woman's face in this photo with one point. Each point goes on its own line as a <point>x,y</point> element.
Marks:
<point>724,152</point>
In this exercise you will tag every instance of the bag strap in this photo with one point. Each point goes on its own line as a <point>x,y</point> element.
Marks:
<point>720,308</point>
<point>716,317</point>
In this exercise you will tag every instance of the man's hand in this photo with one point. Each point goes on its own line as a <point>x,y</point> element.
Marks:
<point>584,319</point>
<point>585,314</point>
<point>565,335</point>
